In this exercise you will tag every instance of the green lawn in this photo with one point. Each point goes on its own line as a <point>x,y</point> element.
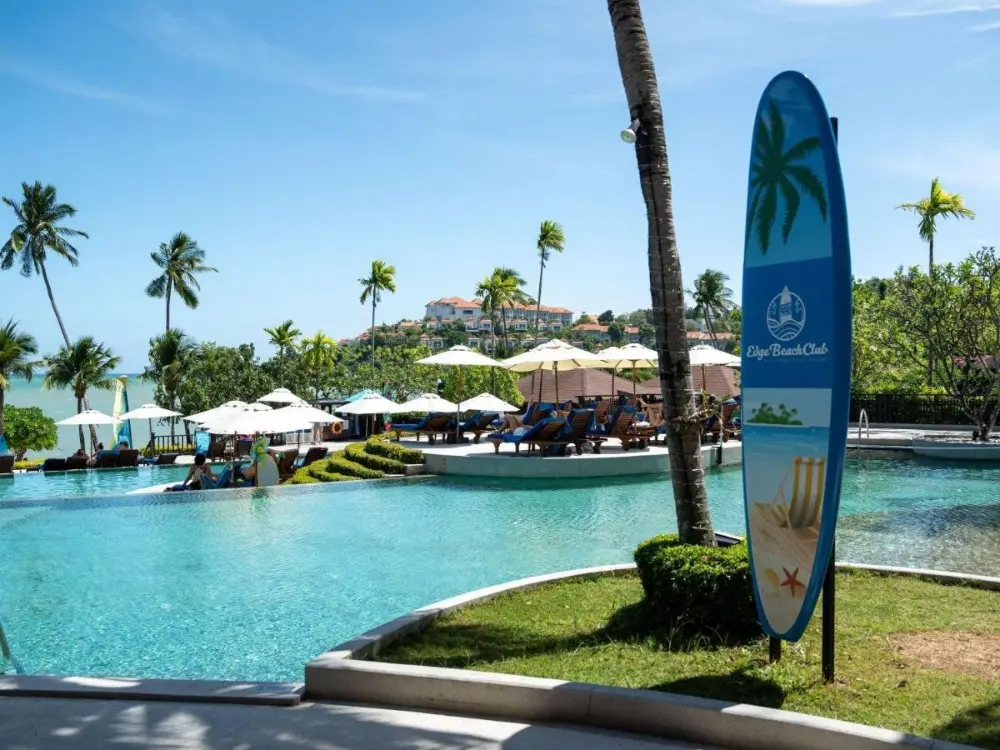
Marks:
<point>912,655</point>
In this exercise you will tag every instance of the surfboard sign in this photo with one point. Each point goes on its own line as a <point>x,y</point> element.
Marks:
<point>796,369</point>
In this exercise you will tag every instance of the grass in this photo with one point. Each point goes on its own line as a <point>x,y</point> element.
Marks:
<point>912,655</point>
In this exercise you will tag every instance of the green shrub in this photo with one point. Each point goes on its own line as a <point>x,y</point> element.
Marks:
<point>339,463</point>
<point>332,476</point>
<point>380,447</point>
<point>179,448</point>
<point>358,454</point>
<point>703,590</point>
<point>300,477</point>
<point>28,463</point>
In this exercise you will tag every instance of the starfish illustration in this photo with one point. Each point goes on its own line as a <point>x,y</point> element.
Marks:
<point>792,580</point>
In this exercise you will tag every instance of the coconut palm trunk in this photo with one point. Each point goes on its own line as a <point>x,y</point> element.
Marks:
<point>373,333</point>
<point>93,441</point>
<point>168,293</point>
<point>635,60</point>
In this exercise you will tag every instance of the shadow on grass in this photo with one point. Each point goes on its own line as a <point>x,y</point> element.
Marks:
<point>740,686</point>
<point>634,622</point>
<point>979,726</point>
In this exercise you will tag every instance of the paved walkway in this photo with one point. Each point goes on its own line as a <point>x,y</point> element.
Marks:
<point>65,724</point>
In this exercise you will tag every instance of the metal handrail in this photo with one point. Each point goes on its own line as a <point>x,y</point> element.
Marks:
<point>863,418</point>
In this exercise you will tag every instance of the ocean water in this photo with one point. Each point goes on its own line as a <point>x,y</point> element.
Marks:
<point>252,584</point>
<point>61,404</point>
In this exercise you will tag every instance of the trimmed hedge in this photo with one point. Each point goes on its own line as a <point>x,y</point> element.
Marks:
<point>301,477</point>
<point>358,454</point>
<point>380,447</point>
<point>695,589</point>
<point>339,463</point>
<point>28,463</point>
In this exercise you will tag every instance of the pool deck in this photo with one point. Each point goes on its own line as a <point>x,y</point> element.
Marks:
<point>66,724</point>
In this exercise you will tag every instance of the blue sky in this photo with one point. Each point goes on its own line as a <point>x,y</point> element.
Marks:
<point>297,141</point>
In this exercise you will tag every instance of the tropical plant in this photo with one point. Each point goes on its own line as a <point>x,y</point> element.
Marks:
<point>318,356</point>
<point>381,279</point>
<point>550,237</point>
<point>79,367</point>
<point>17,351</point>
<point>712,298</point>
<point>28,429</point>
<point>169,360</point>
<point>939,204</point>
<point>774,171</point>
<point>216,374</point>
<point>39,230</point>
<point>181,260</point>
<point>635,62</point>
<point>284,338</point>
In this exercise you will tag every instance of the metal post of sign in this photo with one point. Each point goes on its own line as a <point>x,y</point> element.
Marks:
<point>774,650</point>
<point>830,582</point>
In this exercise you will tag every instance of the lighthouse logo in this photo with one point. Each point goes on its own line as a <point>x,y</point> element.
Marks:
<point>786,315</point>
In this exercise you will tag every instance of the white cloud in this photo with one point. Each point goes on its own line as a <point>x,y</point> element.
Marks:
<point>944,7</point>
<point>213,39</point>
<point>995,26</point>
<point>970,165</point>
<point>62,84</point>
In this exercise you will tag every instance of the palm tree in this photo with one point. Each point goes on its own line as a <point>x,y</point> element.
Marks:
<point>550,237</point>
<point>39,216</point>
<point>284,337</point>
<point>501,290</point>
<point>774,170</point>
<point>486,291</point>
<point>181,261</point>
<point>318,356</point>
<point>17,350</point>
<point>381,279</point>
<point>635,61</point>
<point>940,203</point>
<point>712,298</point>
<point>82,365</point>
<point>169,358</point>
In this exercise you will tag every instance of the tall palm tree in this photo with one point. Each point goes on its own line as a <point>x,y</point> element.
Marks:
<point>550,237</point>
<point>712,298</point>
<point>939,204</point>
<point>381,279</point>
<point>169,359</point>
<point>181,260</point>
<point>318,356</point>
<point>283,337</point>
<point>39,230</point>
<point>775,170</point>
<point>487,293</point>
<point>17,351</point>
<point>504,287</point>
<point>82,365</point>
<point>635,61</point>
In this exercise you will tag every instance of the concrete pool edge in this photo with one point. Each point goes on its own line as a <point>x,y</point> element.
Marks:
<point>341,674</point>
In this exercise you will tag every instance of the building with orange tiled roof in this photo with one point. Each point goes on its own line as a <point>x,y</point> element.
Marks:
<point>519,317</point>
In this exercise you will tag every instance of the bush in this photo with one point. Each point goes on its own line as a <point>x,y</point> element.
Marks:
<point>339,463</point>
<point>358,454</point>
<point>699,590</point>
<point>331,476</point>
<point>180,448</point>
<point>300,477</point>
<point>28,463</point>
<point>380,447</point>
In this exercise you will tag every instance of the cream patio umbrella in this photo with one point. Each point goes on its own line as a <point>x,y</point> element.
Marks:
<point>426,402</point>
<point>486,402</point>
<point>208,414</point>
<point>630,355</point>
<point>706,356</point>
<point>553,355</point>
<point>86,418</point>
<point>370,403</point>
<point>149,412</point>
<point>459,356</point>
<point>280,396</point>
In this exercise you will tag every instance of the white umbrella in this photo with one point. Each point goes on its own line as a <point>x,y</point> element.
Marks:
<point>250,421</point>
<point>553,355</point>
<point>280,396</point>
<point>708,355</point>
<point>459,356</point>
<point>486,402</point>
<point>148,411</point>
<point>630,355</point>
<point>426,402</point>
<point>311,413</point>
<point>87,417</point>
<point>370,403</point>
<point>204,416</point>
<point>258,406</point>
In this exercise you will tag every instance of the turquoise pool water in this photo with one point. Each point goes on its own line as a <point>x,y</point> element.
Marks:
<point>252,584</point>
<point>37,485</point>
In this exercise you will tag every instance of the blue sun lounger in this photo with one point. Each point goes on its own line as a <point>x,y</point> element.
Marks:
<point>544,431</point>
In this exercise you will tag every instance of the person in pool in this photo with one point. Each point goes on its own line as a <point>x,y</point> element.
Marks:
<point>199,470</point>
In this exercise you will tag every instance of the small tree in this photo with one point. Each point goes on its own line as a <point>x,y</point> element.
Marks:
<point>605,317</point>
<point>950,320</point>
<point>28,429</point>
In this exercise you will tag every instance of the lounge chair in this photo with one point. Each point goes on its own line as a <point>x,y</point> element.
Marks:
<point>166,459</point>
<point>76,463</point>
<point>243,448</point>
<point>479,423</point>
<point>54,464</point>
<point>538,413</point>
<point>286,464</point>
<point>601,409</point>
<point>313,455</point>
<point>217,450</point>
<point>577,425</point>
<point>620,428</point>
<point>432,425</point>
<point>6,466</point>
<point>106,460</point>
<point>543,432</point>
<point>128,458</point>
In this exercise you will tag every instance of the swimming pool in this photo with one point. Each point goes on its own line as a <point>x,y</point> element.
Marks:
<point>251,584</point>
<point>37,485</point>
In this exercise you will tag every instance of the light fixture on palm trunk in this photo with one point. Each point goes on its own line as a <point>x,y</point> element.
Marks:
<point>629,134</point>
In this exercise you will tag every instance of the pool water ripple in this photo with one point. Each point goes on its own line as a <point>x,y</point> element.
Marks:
<point>252,584</point>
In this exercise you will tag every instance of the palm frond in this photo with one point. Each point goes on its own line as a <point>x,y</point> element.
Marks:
<point>792,202</point>
<point>157,288</point>
<point>811,184</point>
<point>765,217</point>
<point>803,148</point>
